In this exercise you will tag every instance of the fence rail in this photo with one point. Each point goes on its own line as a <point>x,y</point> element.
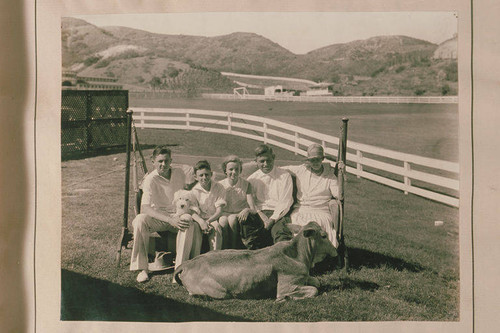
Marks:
<point>437,179</point>
<point>342,99</point>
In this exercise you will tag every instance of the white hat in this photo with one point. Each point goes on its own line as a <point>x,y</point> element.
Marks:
<point>162,262</point>
<point>315,150</point>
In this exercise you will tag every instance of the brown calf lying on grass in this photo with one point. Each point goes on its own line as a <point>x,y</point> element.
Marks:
<point>281,269</point>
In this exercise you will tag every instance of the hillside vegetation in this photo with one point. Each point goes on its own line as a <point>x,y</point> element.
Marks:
<point>384,65</point>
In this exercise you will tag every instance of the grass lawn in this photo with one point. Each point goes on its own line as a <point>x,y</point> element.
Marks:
<point>403,267</point>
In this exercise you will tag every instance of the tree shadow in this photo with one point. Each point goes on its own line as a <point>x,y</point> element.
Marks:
<point>87,298</point>
<point>364,258</point>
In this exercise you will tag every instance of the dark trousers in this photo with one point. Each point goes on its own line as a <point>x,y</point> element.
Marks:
<point>255,236</point>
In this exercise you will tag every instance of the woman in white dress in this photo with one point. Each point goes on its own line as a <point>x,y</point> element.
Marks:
<point>317,191</point>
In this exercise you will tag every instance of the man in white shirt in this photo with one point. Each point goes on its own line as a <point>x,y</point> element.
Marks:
<point>272,188</point>
<point>157,213</point>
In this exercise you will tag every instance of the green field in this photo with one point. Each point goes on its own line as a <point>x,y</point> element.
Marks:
<point>429,130</point>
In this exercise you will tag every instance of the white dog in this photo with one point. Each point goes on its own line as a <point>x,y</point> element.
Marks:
<point>186,207</point>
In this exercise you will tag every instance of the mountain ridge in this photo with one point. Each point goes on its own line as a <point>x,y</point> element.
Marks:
<point>148,55</point>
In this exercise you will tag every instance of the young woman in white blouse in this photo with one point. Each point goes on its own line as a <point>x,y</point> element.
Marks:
<point>239,201</point>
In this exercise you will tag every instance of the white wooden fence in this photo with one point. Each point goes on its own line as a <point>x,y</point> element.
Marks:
<point>342,99</point>
<point>438,180</point>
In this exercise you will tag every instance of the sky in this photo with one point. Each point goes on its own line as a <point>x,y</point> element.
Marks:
<point>298,32</point>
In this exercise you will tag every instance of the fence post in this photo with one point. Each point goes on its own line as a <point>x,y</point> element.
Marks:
<point>296,143</point>
<point>265,132</point>
<point>88,118</point>
<point>188,124</point>
<point>142,119</point>
<point>359,165</point>
<point>125,235</point>
<point>229,127</point>
<point>407,180</point>
<point>343,256</point>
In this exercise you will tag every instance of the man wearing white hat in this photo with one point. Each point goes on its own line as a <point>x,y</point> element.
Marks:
<point>317,191</point>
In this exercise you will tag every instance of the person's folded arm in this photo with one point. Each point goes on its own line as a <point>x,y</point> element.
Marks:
<point>216,215</point>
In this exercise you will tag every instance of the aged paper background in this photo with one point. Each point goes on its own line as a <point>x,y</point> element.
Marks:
<point>31,186</point>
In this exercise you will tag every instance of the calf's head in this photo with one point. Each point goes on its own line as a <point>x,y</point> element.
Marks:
<point>318,244</point>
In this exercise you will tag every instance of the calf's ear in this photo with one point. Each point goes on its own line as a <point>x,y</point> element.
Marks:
<point>309,232</point>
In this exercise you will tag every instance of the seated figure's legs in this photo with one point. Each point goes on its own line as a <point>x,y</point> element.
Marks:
<point>253,234</point>
<point>333,236</point>
<point>280,231</point>
<point>334,208</point>
<point>226,237</point>
<point>215,236</point>
<point>188,244</point>
<point>143,226</point>
<point>328,219</point>
<point>234,231</point>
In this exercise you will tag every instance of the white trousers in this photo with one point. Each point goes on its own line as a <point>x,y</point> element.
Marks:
<point>188,242</point>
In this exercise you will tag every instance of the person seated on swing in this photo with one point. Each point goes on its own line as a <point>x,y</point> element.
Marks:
<point>272,189</point>
<point>317,193</point>
<point>158,213</point>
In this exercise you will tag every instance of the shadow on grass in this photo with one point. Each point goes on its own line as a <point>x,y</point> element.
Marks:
<point>364,258</point>
<point>347,283</point>
<point>87,298</point>
<point>104,151</point>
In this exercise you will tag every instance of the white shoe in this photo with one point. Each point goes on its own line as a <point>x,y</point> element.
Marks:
<point>142,276</point>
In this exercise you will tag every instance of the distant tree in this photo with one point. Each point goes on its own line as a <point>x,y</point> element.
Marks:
<point>420,92</point>
<point>378,71</point>
<point>172,72</point>
<point>451,72</point>
<point>400,69</point>
<point>335,78</point>
<point>103,63</point>
<point>445,89</point>
<point>91,60</point>
<point>155,83</point>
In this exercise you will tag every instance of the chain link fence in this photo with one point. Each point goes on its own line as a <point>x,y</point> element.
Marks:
<point>92,120</point>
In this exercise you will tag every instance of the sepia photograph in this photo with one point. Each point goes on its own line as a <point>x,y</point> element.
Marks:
<point>287,167</point>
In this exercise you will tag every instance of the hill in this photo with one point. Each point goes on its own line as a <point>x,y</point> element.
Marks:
<point>447,49</point>
<point>384,65</point>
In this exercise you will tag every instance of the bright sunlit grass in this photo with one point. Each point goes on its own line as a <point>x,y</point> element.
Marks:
<point>403,267</point>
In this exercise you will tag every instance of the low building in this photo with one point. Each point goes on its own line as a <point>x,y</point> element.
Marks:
<point>278,91</point>
<point>320,89</point>
<point>71,80</point>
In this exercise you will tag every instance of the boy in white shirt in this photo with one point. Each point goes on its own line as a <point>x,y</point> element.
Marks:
<point>211,199</point>
<point>272,189</point>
